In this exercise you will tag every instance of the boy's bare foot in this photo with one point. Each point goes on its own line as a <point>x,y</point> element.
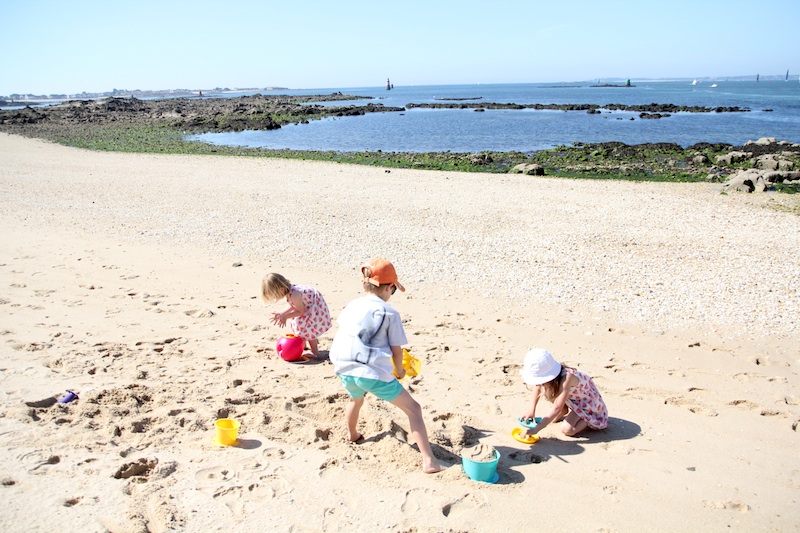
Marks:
<point>433,467</point>
<point>358,439</point>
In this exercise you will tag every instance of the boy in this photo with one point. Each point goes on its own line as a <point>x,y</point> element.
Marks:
<point>370,336</point>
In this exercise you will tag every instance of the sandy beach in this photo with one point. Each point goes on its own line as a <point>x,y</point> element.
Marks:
<point>134,281</point>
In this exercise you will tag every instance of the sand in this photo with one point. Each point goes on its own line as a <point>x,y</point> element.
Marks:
<point>133,280</point>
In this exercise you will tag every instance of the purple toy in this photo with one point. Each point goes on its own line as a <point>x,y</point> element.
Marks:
<point>70,396</point>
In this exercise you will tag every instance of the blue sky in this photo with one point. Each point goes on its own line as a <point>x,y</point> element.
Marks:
<point>53,46</point>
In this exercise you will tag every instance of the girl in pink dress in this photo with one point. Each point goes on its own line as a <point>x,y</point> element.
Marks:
<point>574,395</point>
<point>307,312</point>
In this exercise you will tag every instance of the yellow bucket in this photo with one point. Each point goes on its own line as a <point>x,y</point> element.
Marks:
<point>227,431</point>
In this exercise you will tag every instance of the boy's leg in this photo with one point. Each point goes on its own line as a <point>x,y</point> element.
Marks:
<point>411,408</point>
<point>351,417</point>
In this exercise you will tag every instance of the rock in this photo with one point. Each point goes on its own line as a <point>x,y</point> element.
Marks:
<point>766,162</point>
<point>480,159</point>
<point>700,159</point>
<point>774,177</point>
<point>732,158</point>
<point>530,169</point>
<point>763,141</point>
<point>744,181</point>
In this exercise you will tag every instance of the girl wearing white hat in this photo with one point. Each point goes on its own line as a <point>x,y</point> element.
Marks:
<point>574,396</point>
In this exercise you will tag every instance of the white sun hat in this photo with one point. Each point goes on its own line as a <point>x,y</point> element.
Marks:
<point>539,367</point>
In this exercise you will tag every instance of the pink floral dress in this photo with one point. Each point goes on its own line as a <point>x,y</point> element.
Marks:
<point>585,400</point>
<point>317,318</point>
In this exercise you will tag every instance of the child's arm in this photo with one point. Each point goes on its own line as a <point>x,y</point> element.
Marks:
<point>296,308</point>
<point>537,391</point>
<point>558,406</point>
<point>397,358</point>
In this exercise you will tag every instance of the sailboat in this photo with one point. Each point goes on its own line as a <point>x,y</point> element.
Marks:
<point>713,85</point>
<point>694,82</point>
<point>787,75</point>
<point>757,76</point>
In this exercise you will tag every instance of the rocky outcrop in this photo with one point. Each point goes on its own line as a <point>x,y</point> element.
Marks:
<point>755,180</point>
<point>257,112</point>
<point>770,162</point>
<point>663,110</point>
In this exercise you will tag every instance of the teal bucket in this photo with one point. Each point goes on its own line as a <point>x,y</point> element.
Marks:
<point>485,472</point>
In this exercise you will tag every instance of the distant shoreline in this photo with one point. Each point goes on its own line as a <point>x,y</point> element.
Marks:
<point>32,98</point>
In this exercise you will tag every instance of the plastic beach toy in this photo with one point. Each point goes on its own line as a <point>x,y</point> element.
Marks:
<point>290,347</point>
<point>517,433</point>
<point>529,422</point>
<point>485,472</point>
<point>70,396</point>
<point>227,431</point>
<point>411,365</point>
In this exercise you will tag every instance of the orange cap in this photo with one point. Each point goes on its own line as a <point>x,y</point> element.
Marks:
<point>382,272</point>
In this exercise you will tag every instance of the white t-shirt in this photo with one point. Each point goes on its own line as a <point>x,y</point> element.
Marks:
<point>368,326</point>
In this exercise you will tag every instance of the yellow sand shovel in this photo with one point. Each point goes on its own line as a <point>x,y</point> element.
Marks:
<point>410,363</point>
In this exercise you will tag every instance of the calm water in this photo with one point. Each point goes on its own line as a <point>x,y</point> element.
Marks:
<point>439,130</point>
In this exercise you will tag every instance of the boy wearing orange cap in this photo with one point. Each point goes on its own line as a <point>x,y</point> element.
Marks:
<point>370,336</point>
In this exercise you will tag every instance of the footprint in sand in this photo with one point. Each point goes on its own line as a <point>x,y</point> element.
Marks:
<point>639,393</point>
<point>767,361</point>
<point>415,500</point>
<point>618,447</point>
<point>744,377</point>
<point>693,407</point>
<point>465,502</point>
<point>200,313</point>
<point>729,504</point>
<point>527,457</point>
<point>744,404</point>
<point>214,475</point>
<point>791,400</point>
<point>34,461</point>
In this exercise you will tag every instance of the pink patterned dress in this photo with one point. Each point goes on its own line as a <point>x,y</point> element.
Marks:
<point>317,318</point>
<point>585,400</point>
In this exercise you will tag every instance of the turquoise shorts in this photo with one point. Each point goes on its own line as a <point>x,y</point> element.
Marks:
<point>358,387</point>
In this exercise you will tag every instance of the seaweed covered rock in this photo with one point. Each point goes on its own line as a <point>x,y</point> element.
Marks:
<point>530,169</point>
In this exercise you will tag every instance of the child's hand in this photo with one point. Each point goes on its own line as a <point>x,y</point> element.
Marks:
<point>400,372</point>
<point>278,319</point>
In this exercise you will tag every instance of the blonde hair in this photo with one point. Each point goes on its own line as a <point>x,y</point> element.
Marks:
<point>274,287</point>
<point>553,387</point>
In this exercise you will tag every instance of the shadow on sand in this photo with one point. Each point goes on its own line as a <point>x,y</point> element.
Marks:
<point>560,448</point>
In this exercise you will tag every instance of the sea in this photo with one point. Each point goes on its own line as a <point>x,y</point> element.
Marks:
<point>773,111</point>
